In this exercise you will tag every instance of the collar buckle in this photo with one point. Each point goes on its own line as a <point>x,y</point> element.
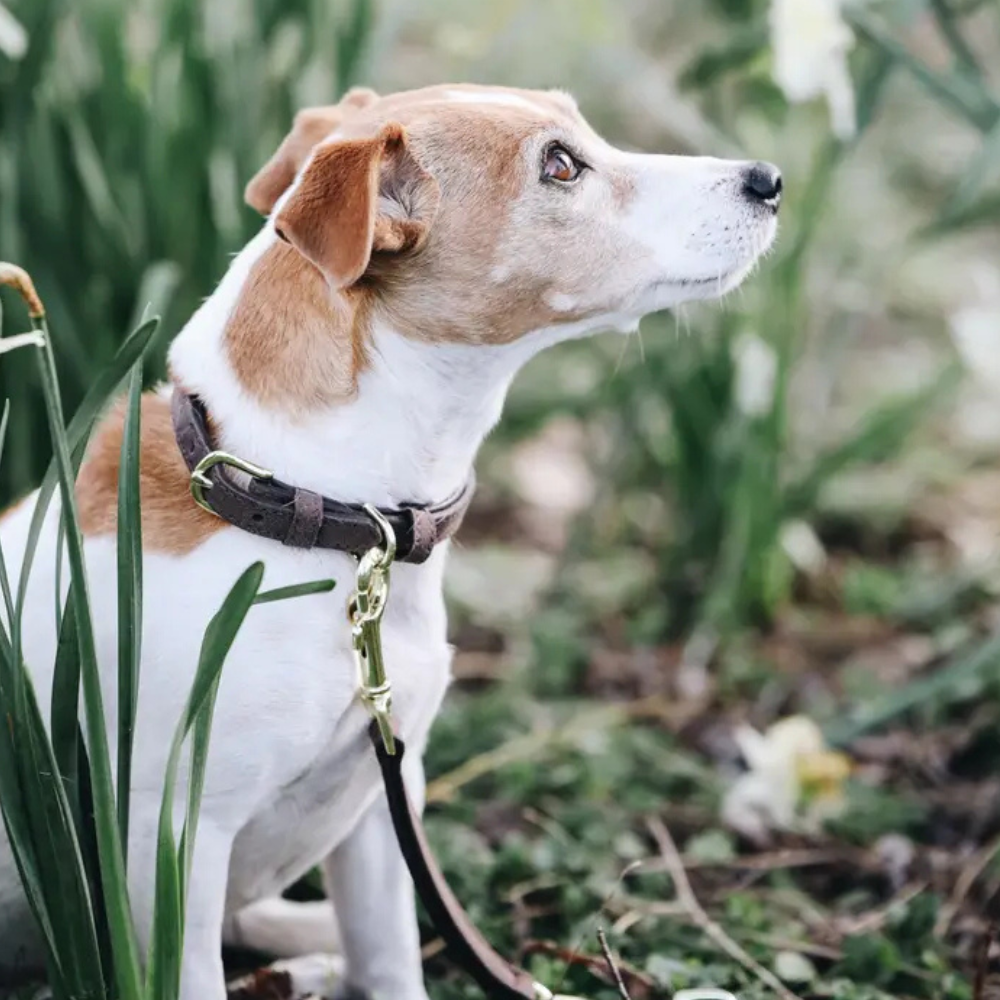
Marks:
<point>199,480</point>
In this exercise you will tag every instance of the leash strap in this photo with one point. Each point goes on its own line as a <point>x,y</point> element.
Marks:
<point>498,979</point>
<point>298,517</point>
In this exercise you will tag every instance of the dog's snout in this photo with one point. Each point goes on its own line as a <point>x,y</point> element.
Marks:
<point>762,182</point>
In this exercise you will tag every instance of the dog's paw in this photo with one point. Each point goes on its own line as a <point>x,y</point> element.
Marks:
<point>307,977</point>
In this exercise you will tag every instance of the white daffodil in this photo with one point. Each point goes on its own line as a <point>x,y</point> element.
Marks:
<point>975,330</point>
<point>794,782</point>
<point>13,37</point>
<point>803,547</point>
<point>810,42</point>
<point>756,374</point>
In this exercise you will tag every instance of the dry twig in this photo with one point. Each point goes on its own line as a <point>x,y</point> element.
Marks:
<point>19,279</point>
<point>687,898</point>
<point>875,920</point>
<point>612,965</point>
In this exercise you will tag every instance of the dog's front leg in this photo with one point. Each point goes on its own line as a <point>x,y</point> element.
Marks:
<point>373,897</point>
<point>202,974</point>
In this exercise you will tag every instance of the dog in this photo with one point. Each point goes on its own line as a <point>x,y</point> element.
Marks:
<point>418,249</point>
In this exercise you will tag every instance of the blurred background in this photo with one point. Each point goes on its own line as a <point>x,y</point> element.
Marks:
<point>729,585</point>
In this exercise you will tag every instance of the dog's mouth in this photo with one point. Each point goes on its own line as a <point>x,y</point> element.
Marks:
<point>718,283</point>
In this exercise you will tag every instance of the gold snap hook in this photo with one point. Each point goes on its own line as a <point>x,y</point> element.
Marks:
<point>365,609</point>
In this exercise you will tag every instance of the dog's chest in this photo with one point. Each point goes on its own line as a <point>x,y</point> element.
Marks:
<point>316,807</point>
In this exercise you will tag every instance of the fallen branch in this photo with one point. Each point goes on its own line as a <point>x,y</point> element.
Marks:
<point>687,898</point>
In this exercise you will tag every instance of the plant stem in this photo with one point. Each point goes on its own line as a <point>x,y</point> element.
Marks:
<point>126,955</point>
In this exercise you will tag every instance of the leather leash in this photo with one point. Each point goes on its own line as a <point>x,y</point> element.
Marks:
<point>466,947</point>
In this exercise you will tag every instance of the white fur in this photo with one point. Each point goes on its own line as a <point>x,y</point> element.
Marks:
<point>292,781</point>
<point>500,98</point>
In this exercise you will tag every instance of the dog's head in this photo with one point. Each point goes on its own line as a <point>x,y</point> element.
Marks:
<point>480,215</point>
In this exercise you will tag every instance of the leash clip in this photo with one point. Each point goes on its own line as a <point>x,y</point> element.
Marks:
<point>365,610</point>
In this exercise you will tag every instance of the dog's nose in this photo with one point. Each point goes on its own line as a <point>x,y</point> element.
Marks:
<point>762,182</point>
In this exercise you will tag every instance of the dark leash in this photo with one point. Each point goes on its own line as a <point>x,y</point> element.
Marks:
<point>466,947</point>
<point>257,502</point>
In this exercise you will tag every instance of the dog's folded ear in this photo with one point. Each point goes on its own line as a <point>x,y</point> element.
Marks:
<point>311,126</point>
<point>358,197</point>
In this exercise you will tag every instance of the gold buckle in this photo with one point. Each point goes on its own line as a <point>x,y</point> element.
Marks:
<point>367,605</point>
<point>199,481</point>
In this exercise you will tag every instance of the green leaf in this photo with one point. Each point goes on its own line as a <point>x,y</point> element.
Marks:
<point>295,590</point>
<point>881,434</point>
<point>65,709</point>
<point>129,595</point>
<point>983,166</point>
<point>113,883</point>
<point>968,98</point>
<point>77,433</point>
<point>173,865</point>
<point>713,64</point>
<point>949,683</point>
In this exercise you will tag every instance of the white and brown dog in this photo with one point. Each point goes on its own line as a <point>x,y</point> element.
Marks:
<point>419,249</point>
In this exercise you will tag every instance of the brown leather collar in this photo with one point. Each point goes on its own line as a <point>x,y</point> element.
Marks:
<point>301,518</point>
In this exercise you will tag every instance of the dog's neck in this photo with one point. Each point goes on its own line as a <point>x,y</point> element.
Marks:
<point>410,431</point>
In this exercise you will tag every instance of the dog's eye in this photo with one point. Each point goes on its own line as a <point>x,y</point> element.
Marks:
<point>559,164</point>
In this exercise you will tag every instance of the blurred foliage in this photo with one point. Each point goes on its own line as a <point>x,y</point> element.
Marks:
<point>127,133</point>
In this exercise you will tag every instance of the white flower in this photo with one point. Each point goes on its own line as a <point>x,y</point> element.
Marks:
<point>810,42</point>
<point>794,781</point>
<point>976,333</point>
<point>975,329</point>
<point>802,546</point>
<point>756,372</point>
<point>13,37</point>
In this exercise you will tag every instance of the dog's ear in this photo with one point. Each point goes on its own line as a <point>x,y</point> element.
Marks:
<point>310,127</point>
<point>358,197</point>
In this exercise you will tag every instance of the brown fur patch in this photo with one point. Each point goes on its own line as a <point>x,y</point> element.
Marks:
<point>14,507</point>
<point>171,521</point>
<point>292,343</point>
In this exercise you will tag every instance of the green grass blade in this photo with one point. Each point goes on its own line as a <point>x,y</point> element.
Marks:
<point>946,685</point>
<point>8,596</point>
<point>983,165</point>
<point>882,432</point>
<point>65,710</point>
<point>113,884</point>
<point>964,96</point>
<point>102,389</point>
<point>58,854</point>
<point>129,596</point>
<point>173,866</point>
<point>947,21</point>
<point>42,822</point>
<point>295,590</point>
